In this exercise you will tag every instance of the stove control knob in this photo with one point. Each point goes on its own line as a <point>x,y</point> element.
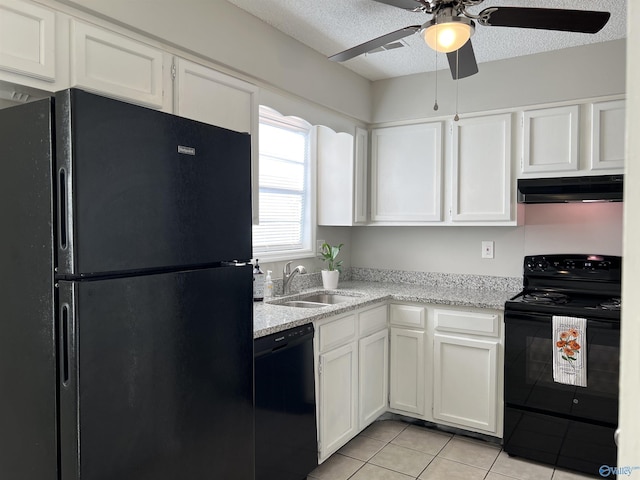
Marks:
<point>575,401</point>
<point>542,265</point>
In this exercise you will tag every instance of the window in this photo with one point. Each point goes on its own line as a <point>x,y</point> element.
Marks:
<point>285,195</point>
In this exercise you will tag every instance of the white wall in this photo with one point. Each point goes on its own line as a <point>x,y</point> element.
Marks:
<point>567,228</point>
<point>629,451</point>
<point>561,75</point>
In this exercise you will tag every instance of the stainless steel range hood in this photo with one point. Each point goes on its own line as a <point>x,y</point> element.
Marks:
<point>601,188</point>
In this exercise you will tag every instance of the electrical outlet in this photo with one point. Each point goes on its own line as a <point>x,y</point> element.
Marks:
<point>319,244</point>
<point>487,249</point>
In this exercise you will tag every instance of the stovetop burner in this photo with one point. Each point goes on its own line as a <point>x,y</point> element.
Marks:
<point>571,285</point>
<point>546,298</point>
<point>612,304</point>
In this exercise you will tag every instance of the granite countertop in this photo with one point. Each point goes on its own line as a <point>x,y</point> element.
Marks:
<point>269,317</point>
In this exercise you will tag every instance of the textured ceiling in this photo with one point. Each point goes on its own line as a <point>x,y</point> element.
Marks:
<point>331,26</point>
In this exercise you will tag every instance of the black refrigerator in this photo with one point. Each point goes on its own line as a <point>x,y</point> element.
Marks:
<point>126,331</point>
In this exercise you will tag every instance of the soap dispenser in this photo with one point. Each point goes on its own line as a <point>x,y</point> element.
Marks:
<point>268,285</point>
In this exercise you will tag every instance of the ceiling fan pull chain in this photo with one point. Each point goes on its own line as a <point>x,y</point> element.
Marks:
<point>435,105</point>
<point>457,117</point>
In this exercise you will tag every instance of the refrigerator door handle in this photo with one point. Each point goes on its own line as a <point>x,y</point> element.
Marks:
<point>65,342</point>
<point>68,373</point>
<point>62,212</point>
<point>66,335</point>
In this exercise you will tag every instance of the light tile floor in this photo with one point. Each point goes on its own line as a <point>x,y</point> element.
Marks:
<point>394,450</point>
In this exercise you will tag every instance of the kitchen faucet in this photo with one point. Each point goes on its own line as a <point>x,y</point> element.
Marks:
<point>287,276</point>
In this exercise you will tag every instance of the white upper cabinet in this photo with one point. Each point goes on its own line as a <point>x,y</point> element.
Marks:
<point>115,65</point>
<point>608,135</point>
<point>33,46</point>
<point>550,139</point>
<point>209,96</point>
<point>406,171</point>
<point>335,195</point>
<point>481,169</point>
<point>27,39</point>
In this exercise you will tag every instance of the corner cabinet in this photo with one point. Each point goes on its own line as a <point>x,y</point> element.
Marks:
<point>407,360</point>
<point>406,173</point>
<point>481,170</point>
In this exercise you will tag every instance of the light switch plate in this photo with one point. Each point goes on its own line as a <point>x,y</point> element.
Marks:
<point>319,244</point>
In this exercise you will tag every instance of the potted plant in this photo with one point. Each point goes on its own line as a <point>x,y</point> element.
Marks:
<point>331,275</point>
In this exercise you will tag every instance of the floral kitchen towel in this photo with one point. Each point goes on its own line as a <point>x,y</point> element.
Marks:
<point>570,350</point>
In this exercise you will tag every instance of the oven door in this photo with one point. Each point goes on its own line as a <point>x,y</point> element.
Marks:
<point>528,369</point>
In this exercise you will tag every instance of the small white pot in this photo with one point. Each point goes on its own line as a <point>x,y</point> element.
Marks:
<point>330,279</point>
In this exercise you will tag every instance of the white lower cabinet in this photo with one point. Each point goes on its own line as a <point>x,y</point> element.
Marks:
<point>374,372</point>
<point>351,384</point>
<point>434,363</point>
<point>467,369</point>
<point>407,359</point>
<point>338,378</point>
<point>465,381</point>
<point>407,370</point>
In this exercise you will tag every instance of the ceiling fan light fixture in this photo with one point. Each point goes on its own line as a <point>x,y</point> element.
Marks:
<point>447,34</point>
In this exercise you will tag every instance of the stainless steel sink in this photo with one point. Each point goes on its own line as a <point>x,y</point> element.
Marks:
<point>327,298</point>
<point>304,304</point>
<point>317,300</point>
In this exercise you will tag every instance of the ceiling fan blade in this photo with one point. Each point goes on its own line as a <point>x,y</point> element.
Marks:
<point>375,43</point>
<point>412,5</point>
<point>462,62</point>
<point>584,21</point>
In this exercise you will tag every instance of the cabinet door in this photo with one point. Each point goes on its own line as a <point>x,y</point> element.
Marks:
<point>465,382</point>
<point>27,39</point>
<point>374,369</point>
<point>406,164</point>
<point>608,135</point>
<point>407,370</point>
<point>550,140</point>
<point>334,157</point>
<point>116,66</point>
<point>481,169</point>
<point>338,380</point>
<point>209,96</point>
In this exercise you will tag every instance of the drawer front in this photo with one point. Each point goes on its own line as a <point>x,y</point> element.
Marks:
<point>407,315</point>
<point>336,332</point>
<point>372,320</point>
<point>475,323</point>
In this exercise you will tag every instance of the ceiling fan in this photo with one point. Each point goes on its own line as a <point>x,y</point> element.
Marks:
<point>451,27</point>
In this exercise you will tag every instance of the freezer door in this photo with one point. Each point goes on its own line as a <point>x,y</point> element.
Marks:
<point>140,189</point>
<point>156,380</point>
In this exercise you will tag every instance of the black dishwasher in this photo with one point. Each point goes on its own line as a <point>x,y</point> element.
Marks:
<point>286,438</point>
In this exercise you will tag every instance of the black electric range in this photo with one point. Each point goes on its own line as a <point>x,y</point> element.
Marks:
<point>564,425</point>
